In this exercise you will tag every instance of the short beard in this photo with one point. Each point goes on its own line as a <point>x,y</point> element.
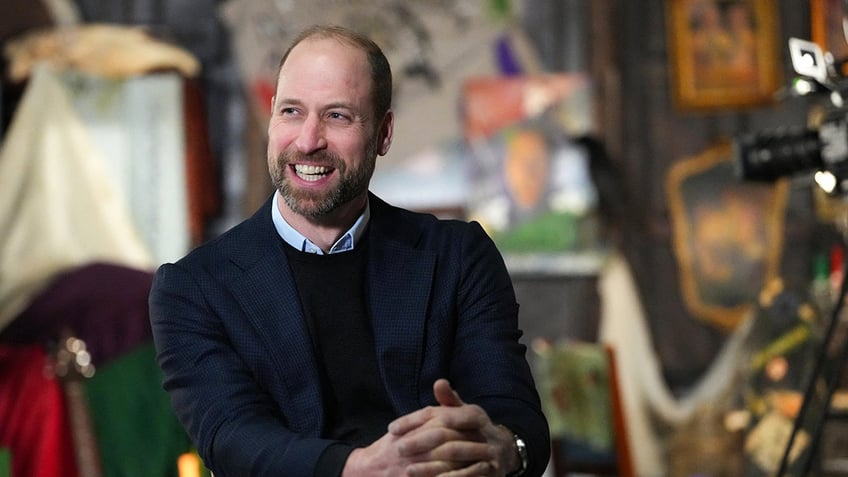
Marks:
<point>352,182</point>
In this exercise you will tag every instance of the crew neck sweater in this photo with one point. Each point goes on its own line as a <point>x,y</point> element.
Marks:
<point>332,290</point>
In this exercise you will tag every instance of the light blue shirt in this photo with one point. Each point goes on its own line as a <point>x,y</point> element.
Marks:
<point>297,240</point>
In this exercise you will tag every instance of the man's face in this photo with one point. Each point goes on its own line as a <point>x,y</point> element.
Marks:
<point>323,138</point>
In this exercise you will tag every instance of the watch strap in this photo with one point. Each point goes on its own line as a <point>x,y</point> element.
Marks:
<point>521,449</point>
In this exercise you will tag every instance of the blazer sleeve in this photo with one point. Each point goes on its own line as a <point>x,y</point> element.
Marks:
<point>234,423</point>
<point>489,365</point>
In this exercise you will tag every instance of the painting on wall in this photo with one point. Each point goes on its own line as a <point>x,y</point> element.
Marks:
<point>529,182</point>
<point>724,53</point>
<point>727,235</point>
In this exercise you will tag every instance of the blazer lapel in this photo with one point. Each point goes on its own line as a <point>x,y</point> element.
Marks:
<point>267,293</point>
<point>400,280</point>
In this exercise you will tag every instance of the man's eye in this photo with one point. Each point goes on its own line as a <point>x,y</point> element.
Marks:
<point>336,115</point>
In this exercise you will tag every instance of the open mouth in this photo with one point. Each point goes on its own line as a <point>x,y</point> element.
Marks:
<point>311,172</point>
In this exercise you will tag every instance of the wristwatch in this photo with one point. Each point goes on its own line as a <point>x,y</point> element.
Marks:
<point>521,448</point>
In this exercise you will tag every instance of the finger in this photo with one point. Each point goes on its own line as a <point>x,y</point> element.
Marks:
<point>463,451</point>
<point>413,420</point>
<point>438,443</point>
<point>449,469</point>
<point>464,417</point>
<point>445,394</point>
<point>474,470</point>
<point>431,468</point>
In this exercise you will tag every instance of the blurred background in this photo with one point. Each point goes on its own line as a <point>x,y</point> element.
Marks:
<point>596,141</point>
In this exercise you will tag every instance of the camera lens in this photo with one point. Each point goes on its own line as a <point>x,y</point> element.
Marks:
<point>770,155</point>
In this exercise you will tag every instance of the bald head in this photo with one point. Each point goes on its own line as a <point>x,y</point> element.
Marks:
<point>381,73</point>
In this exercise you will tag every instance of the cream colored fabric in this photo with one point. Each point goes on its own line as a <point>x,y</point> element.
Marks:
<point>58,207</point>
<point>644,391</point>
<point>113,51</point>
<point>138,126</point>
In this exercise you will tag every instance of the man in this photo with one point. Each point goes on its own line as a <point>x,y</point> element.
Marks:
<point>333,334</point>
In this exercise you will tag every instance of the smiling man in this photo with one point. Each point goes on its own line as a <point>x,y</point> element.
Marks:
<point>332,333</point>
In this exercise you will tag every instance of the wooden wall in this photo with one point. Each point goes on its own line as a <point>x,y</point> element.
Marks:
<point>628,54</point>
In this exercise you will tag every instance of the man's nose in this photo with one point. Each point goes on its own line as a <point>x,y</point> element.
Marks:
<point>311,136</point>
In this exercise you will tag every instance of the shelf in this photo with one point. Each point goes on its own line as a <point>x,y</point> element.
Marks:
<point>586,263</point>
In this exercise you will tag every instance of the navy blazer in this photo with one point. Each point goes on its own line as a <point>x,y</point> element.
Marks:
<point>237,358</point>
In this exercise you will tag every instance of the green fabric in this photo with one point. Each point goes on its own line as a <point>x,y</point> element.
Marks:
<point>137,432</point>
<point>574,385</point>
<point>5,462</point>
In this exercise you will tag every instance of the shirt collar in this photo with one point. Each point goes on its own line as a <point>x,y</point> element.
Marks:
<point>297,240</point>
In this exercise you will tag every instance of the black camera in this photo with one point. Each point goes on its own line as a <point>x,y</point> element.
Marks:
<point>821,147</point>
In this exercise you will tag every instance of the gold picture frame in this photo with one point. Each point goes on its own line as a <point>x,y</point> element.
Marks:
<point>727,235</point>
<point>723,53</point>
<point>826,28</point>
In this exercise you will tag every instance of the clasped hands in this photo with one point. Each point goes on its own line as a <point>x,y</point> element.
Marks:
<point>453,439</point>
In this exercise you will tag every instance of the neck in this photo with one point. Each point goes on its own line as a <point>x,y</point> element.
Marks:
<point>324,231</point>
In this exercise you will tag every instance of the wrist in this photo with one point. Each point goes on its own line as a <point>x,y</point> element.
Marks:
<point>351,467</point>
<point>517,462</point>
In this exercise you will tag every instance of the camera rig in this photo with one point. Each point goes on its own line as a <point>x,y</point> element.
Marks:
<point>821,149</point>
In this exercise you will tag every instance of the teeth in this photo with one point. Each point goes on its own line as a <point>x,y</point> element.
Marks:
<point>310,172</point>
<point>310,169</point>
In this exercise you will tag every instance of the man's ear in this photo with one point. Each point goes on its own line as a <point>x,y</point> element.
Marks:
<point>386,131</point>
<point>273,100</point>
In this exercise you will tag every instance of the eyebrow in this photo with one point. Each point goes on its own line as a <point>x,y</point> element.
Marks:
<point>279,101</point>
<point>337,104</point>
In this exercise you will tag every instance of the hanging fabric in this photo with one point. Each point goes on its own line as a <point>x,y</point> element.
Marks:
<point>58,206</point>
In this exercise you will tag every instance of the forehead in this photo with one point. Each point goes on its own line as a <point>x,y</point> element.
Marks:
<point>326,62</point>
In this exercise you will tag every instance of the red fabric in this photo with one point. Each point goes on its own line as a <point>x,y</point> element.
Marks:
<point>203,195</point>
<point>33,418</point>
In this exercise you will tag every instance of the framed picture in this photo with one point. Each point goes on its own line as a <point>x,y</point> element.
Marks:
<point>727,235</point>
<point>529,183</point>
<point>724,53</point>
<point>826,18</point>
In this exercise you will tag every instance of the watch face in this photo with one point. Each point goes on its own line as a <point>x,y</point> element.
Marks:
<point>522,454</point>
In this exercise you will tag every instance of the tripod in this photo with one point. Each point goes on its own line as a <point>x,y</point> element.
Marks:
<point>830,362</point>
